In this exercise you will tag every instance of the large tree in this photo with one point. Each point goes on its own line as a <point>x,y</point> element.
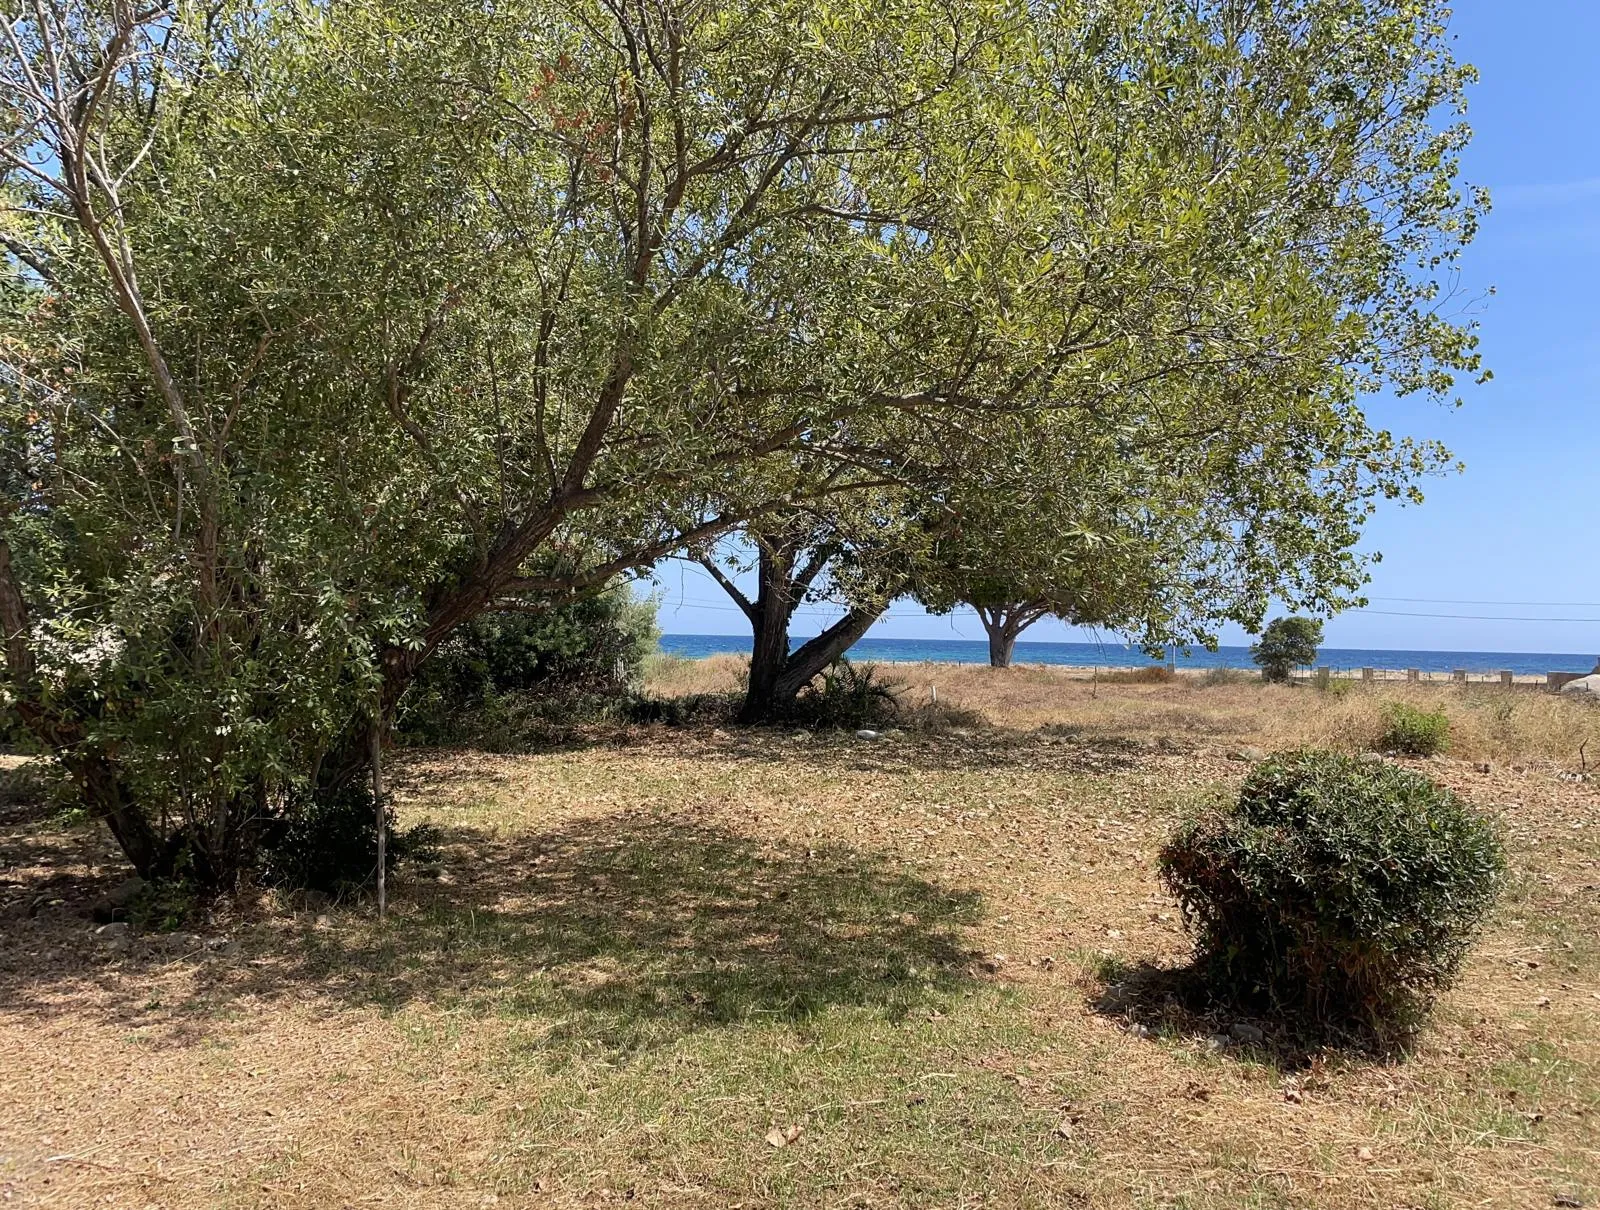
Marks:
<point>327,328</point>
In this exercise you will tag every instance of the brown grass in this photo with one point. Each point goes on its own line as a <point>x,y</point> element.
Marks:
<point>938,954</point>
<point>1487,722</point>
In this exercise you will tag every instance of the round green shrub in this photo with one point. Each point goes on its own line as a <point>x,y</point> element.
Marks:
<point>1340,891</point>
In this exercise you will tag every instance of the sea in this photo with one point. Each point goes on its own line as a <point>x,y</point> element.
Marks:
<point>1109,655</point>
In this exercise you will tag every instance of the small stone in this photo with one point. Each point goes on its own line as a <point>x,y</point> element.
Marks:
<point>1250,1035</point>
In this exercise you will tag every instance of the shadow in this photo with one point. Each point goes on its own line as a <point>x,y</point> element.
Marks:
<point>620,933</point>
<point>1072,749</point>
<point>1165,1002</point>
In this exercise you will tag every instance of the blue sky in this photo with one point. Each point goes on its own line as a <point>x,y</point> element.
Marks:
<point>1522,525</point>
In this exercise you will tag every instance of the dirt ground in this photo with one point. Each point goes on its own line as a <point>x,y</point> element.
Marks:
<point>705,966</point>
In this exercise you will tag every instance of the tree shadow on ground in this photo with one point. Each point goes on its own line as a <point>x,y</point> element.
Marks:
<point>621,932</point>
<point>963,750</point>
<point>1163,1002</point>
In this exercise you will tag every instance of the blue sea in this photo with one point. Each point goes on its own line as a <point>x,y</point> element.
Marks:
<point>1090,655</point>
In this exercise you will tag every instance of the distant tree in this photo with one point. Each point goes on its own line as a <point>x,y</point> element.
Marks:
<point>1285,644</point>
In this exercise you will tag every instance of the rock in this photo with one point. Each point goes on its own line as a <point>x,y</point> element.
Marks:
<point>1584,687</point>
<point>1248,753</point>
<point>1250,1035</point>
<point>114,906</point>
<point>864,733</point>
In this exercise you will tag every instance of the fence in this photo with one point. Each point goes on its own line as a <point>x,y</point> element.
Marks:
<point>1504,679</point>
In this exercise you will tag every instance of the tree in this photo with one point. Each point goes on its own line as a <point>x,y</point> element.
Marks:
<point>856,553</point>
<point>326,330</point>
<point>1286,644</point>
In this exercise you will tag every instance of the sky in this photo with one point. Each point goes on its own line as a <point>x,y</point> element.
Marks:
<point>1511,548</point>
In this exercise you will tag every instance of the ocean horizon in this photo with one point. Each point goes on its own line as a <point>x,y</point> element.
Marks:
<point>1115,655</point>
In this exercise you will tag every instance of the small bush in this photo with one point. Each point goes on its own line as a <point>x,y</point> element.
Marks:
<point>164,906</point>
<point>1216,678</point>
<point>501,673</point>
<point>1414,732</point>
<point>1155,674</point>
<point>327,840</point>
<point>847,696</point>
<point>1341,891</point>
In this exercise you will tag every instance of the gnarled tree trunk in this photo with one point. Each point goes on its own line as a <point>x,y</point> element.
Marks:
<point>1003,623</point>
<point>777,674</point>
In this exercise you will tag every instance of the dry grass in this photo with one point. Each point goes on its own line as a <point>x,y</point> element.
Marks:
<point>1487,722</point>
<point>940,955</point>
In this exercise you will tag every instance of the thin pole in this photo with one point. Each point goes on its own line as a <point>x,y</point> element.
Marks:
<point>377,800</point>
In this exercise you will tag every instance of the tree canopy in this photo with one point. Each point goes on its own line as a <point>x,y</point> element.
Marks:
<point>329,328</point>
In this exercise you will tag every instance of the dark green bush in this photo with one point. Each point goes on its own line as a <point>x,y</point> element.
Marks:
<point>327,840</point>
<point>501,672</point>
<point>1340,891</point>
<point>1414,732</point>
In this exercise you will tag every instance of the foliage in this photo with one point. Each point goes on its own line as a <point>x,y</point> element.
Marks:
<point>847,696</point>
<point>164,906</point>
<point>580,659</point>
<point>648,272</point>
<point>1340,890</point>
<point>1286,644</point>
<point>1414,731</point>
<point>327,840</point>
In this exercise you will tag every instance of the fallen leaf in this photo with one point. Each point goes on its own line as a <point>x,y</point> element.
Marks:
<point>782,1136</point>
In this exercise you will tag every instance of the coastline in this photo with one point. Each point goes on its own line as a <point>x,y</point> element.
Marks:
<point>1088,659</point>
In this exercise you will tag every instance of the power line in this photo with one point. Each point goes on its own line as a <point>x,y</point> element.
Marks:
<point>1448,601</point>
<point>1470,617</point>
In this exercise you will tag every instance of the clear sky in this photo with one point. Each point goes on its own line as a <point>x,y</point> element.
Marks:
<point>1522,525</point>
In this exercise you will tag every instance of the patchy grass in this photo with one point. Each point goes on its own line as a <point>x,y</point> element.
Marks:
<point>1519,725</point>
<point>939,962</point>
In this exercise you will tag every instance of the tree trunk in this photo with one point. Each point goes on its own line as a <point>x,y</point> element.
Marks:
<point>1003,624</point>
<point>812,656</point>
<point>770,614</point>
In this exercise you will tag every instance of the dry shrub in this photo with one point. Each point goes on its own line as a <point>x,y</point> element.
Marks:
<point>1156,674</point>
